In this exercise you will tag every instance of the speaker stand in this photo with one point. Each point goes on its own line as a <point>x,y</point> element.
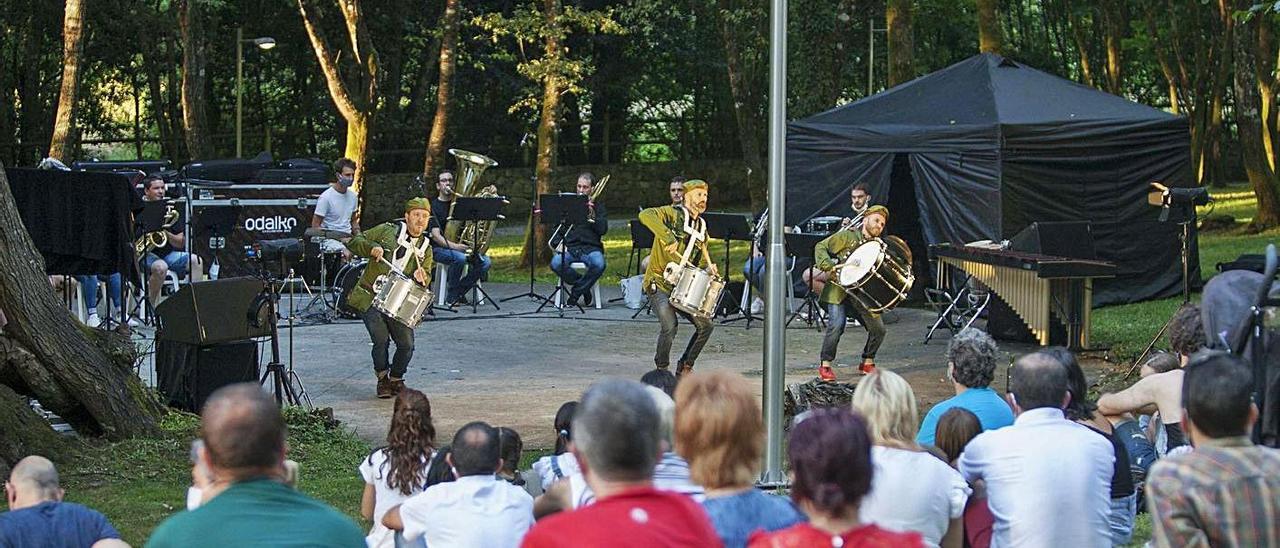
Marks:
<point>282,380</point>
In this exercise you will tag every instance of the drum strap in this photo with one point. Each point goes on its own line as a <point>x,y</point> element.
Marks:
<point>406,245</point>
<point>697,231</point>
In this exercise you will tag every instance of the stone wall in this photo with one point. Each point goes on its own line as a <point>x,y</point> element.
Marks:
<point>631,186</point>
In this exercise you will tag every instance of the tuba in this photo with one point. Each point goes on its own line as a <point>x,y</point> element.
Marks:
<point>475,235</point>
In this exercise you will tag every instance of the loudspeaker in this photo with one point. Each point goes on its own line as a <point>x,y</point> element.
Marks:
<point>235,170</point>
<point>1059,239</point>
<point>215,311</point>
<point>292,176</point>
<point>187,374</point>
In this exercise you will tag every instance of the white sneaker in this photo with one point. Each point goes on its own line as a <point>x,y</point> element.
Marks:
<point>93,320</point>
<point>133,321</point>
<point>757,305</point>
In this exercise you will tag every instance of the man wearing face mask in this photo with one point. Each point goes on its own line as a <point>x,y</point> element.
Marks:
<point>336,208</point>
<point>674,228</point>
<point>403,243</point>
<point>827,256</point>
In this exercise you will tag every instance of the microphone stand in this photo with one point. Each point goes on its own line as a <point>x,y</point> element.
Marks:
<point>534,211</point>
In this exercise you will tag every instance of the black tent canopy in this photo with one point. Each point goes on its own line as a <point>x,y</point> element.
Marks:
<point>981,149</point>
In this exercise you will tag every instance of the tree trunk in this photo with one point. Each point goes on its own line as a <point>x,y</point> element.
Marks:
<point>1114,25</point>
<point>23,432</point>
<point>897,16</point>
<point>1082,46</point>
<point>62,145</point>
<point>112,397</point>
<point>440,125</point>
<point>1162,58</point>
<point>990,39</point>
<point>746,109</point>
<point>1252,80</point>
<point>535,251</point>
<point>194,121</point>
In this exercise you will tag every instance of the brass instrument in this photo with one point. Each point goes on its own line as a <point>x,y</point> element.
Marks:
<point>159,238</point>
<point>596,191</point>
<point>475,235</point>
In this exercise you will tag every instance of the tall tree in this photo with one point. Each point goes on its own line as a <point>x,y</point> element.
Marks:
<point>1114,24</point>
<point>897,16</point>
<point>353,86</point>
<point>444,90</point>
<point>195,123</point>
<point>990,38</point>
<point>746,100</point>
<point>63,142</point>
<point>1255,85</point>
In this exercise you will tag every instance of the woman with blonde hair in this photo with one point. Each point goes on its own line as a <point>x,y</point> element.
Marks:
<point>912,489</point>
<point>719,430</point>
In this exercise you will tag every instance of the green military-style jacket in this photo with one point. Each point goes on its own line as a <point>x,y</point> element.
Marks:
<point>667,225</point>
<point>828,254</point>
<point>385,236</point>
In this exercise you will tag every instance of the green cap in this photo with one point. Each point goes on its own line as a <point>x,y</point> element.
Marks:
<point>694,183</point>
<point>417,203</point>
<point>877,209</point>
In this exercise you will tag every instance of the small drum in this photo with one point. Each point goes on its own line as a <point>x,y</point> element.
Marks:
<point>823,225</point>
<point>696,291</point>
<point>877,274</point>
<point>401,298</point>
<point>346,280</point>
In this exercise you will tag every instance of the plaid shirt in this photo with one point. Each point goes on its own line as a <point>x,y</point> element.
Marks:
<point>1224,493</point>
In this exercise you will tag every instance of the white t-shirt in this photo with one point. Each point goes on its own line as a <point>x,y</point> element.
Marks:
<point>553,468</point>
<point>374,471</point>
<point>472,511</point>
<point>336,209</point>
<point>913,491</point>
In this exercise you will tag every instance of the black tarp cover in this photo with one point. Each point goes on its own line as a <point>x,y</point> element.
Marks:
<point>994,145</point>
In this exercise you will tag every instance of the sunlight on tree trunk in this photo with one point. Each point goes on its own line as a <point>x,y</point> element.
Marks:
<point>990,38</point>
<point>897,15</point>
<point>62,144</point>
<point>1253,78</point>
<point>439,127</point>
<point>194,121</point>
<point>535,251</point>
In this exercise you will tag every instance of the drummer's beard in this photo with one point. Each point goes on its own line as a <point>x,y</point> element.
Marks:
<point>872,231</point>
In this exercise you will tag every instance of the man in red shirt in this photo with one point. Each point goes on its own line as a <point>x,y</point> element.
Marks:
<point>615,439</point>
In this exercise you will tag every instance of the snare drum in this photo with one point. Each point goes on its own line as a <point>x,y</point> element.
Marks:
<point>347,279</point>
<point>401,298</point>
<point>823,225</point>
<point>697,292</point>
<point>878,276</point>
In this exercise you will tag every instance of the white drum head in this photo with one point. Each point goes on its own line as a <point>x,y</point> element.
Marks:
<point>860,263</point>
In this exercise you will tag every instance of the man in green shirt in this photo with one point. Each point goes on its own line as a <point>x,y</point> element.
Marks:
<point>248,503</point>
<point>410,253</point>
<point>827,257</point>
<point>674,228</point>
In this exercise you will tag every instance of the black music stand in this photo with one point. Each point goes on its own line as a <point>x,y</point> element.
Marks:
<point>801,246</point>
<point>471,211</point>
<point>731,227</point>
<point>147,220</point>
<point>565,211</point>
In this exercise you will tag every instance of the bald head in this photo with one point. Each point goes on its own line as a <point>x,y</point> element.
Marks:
<point>1039,380</point>
<point>32,481</point>
<point>243,430</point>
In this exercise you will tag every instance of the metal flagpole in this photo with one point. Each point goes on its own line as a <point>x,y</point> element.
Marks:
<point>774,323</point>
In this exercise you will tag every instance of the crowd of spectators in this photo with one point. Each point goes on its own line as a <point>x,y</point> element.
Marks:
<point>1041,464</point>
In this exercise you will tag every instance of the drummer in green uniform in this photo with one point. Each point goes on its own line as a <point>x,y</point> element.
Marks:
<point>827,257</point>
<point>674,228</point>
<point>402,244</point>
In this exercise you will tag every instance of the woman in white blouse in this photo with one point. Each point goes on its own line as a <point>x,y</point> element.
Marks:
<point>911,489</point>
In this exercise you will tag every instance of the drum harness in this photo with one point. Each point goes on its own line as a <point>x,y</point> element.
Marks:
<point>405,243</point>
<point>697,231</point>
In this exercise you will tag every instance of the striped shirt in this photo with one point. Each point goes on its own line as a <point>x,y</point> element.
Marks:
<point>1224,493</point>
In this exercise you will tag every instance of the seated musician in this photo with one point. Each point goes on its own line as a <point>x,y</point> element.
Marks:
<point>456,255</point>
<point>859,199</point>
<point>401,243</point>
<point>336,208</point>
<point>675,228</point>
<point>827,256</point>
<point>676,189</point>
<point>173,255</point>
<point>582,245</point>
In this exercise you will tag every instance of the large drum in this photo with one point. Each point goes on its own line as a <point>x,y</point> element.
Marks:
<point>346,280</point>
<point>877,274</point>
<point>696,291</point>
<point>401,298</point>
<point>823,225</point>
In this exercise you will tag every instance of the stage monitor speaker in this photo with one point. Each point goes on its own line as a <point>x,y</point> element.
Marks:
<point>1059,239</point>
<point>292,177</point>
<point>215,311</point>
<point>187,374</point>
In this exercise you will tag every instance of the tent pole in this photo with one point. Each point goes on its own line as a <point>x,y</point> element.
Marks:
<point>775,342</point>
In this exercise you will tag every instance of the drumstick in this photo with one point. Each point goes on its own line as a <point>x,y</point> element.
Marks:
<point>396,271</point>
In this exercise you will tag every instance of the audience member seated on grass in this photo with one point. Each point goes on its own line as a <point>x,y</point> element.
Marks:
<point>1225,492</point>
<point>720,427</point>
<point>912,489</point>
<point>398,470</point>
<point>510,446</point>
<point>477,509</point>
<point>1085,413</point>
<point>438,470</point>
<point>244,446</point>
<point>38,517</point>
<point>830,454</point>
<point>616,440</point>
<point>1047,478</point>
<point>661,379</point>
<point>957,427</point>
<point>1160,392</point>
<point>971,364</point>
<point>1140,437</point>
<point>560,464</point>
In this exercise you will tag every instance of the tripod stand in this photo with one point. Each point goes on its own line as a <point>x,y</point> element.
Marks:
<point>568,210</point>
<point>282,380</point>
<point>801,246</point>
<point>472,212</point>
<point>1185,236</point>
<point>731,227</point>
<point>535,212</point>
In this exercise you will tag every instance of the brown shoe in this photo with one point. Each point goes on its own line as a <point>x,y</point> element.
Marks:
<point>397,385</point>
<point>682,370</point>
<point>386,387</point>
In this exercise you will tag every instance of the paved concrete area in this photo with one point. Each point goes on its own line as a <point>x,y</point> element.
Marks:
<point>514,367</point>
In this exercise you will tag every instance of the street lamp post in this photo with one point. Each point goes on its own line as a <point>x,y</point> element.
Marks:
<point>265,42</point>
